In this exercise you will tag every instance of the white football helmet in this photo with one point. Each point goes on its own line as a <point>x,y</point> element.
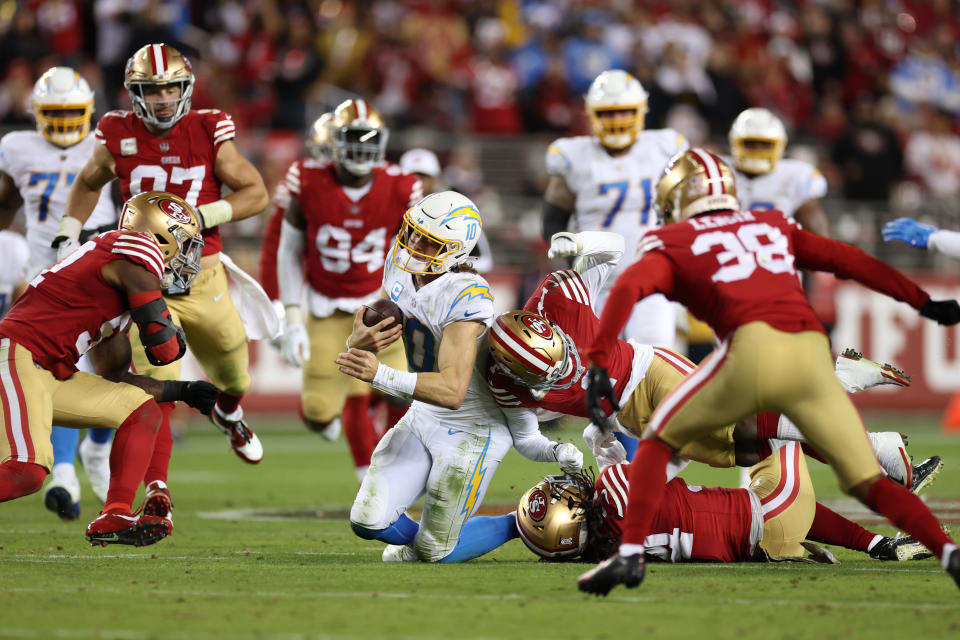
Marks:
<point>757,141</point>
<point>61,89</point>
<point>616,90</point>
<point>438,233</point>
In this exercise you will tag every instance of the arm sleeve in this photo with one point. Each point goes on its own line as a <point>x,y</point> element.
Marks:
<point>651,274</point>
<point>601,253</point>
<point>527,438</point>
<point>946,242</point>
<point>846,261</point>
<point>269,250</point>
<point>290,264</point>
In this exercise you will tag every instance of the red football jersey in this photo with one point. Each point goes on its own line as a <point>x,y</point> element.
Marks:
<point>74,305</point>
<point>737,267</point>
<point>693,524</point>
<point>347,241</point>
<point>181,162</point>
<point>563,299</point>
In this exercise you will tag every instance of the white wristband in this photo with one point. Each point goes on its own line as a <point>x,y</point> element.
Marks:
<point>70,227</point>
<point>395,382</point>
<point>214,213</point>
<point>292,314</point>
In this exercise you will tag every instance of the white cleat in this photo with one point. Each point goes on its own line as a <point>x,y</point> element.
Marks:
<point>399,553</point>
<point>243,440</point>
<point>332,431</point>
<point>857,373</point>
<point>96,462</point>
<point>891,451</point>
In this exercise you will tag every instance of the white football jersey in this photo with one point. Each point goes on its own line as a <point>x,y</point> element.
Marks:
<point>614,194</point>
<point>427,311</point>
<point>786,188</point>
<point>14,254</point>
<point>43,173</point>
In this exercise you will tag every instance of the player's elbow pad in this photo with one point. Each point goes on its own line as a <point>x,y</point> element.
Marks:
<point>555,219</point>
<point>162,340</point>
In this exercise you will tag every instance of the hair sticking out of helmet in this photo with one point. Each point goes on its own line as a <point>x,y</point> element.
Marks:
<point>693,183</point>
<point>175,225</point>
<point>534,352</point>
<point>359,136</point>
<point>151,69</point>
<point>319,140</point>
<point>550,517</point>
<point>62,104</point>
<point>438,234</point>
<point>616,107</point>
<point>757,140</point>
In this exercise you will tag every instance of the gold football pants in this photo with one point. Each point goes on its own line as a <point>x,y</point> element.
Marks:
<point>782,483</point>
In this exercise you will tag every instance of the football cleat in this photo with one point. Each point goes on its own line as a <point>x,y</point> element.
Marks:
<point>399,553</point>
<point>899,550</point>
<point>925,473</point>
<point>332,431</point>
<point>114,527</point>
<point>63,500</point>
<point>244,441</point>
<point>616,569</point>
<point>95,459</point>
<point>157,501</point>
<point>857,373</point>
<point>891,452</point>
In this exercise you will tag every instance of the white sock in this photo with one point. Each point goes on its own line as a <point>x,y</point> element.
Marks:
<point>361,472</point>
<point>97,447</point>
<point>945,554</point>
<point>786,430</point>
<point>236,416</point>
<point>873,543</point>
<point>65,473</point>
<point>627,550</point>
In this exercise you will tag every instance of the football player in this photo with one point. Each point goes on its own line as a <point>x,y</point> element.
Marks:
<point>605,183</point>
<point>572,517</point>
<point>338,218</point>
<point>736,270</point>
<point>449,444</point>
<point>14,256</point>
<point>85,303</point>
<point>37,169</point>
<point>165,145</point>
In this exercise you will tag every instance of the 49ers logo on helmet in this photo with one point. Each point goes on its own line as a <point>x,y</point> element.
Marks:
<point>538,326</point>
<point>175,210</point>
<point>537,505</point>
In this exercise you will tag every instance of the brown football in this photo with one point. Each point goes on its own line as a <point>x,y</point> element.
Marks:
<point>374,312</point>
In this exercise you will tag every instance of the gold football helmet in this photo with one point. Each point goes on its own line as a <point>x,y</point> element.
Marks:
<point>757,140</point>
<point>319,143</point>
<point>175,225</point>
<point>534,352</point>
<point>63,106</point>
<point>550,518</point>
<point>359,136</point>
<point>155,65</point>
<point>695,182</point>
<point>616,107</point>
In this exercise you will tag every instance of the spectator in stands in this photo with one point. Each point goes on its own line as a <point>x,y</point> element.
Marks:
<point>868,155</point>
<point>932,155</point>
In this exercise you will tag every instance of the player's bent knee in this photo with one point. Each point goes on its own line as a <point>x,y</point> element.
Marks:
<point>18,479</point>
<point>365,532</point>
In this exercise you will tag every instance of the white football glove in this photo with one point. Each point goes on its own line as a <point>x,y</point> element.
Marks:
<point>597,438</point>
<point>295,344</point>
<point>563,245</point>
<point>66,247</point>
<point>569,457</point>
<point>610,455</point>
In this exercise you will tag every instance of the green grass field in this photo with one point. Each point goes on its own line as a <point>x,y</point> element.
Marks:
<point>266,552</point>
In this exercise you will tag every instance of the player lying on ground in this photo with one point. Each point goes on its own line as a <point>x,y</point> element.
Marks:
<point>451,441</point>
<point>85,303</point>
<point>736,270</point>
<point>535,363</point>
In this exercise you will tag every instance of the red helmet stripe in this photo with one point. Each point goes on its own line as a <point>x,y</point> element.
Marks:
<point>158,60</point>
<point>519,350</point>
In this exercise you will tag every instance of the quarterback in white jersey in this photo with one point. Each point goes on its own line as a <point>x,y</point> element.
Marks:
<point>14,254</point>
<point>451,441</point>
<point>605,182</point>
<point>38,167</point>
<point>767,180</point>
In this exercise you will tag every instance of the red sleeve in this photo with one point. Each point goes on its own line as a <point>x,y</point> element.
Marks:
<point>846,261</point>
<point>653,273</point>
<point>220,126</point>
<point>140,249</point>
<point>268,252</point>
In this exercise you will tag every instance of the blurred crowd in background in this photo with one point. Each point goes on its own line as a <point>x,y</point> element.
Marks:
<point>869,89</point>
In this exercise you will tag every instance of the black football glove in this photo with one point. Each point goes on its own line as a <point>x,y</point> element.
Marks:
<point>199,394</point>
<point>945,312</point>
<point>599,388</point>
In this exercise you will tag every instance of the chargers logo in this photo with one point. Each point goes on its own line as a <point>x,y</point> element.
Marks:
<point>466,212</point>
<point>479,471</point>
<point>537,505</point>
<point>470,292</point>
<point>175,211</point>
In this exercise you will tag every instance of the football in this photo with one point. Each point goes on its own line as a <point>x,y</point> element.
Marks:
<point>374,312</point>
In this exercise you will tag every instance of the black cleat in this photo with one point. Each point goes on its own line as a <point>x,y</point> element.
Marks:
<point>58,500</point>
<point>953,566</point>
<point>616,569</point>
<point>899,550</point>
<point>925,473</point>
